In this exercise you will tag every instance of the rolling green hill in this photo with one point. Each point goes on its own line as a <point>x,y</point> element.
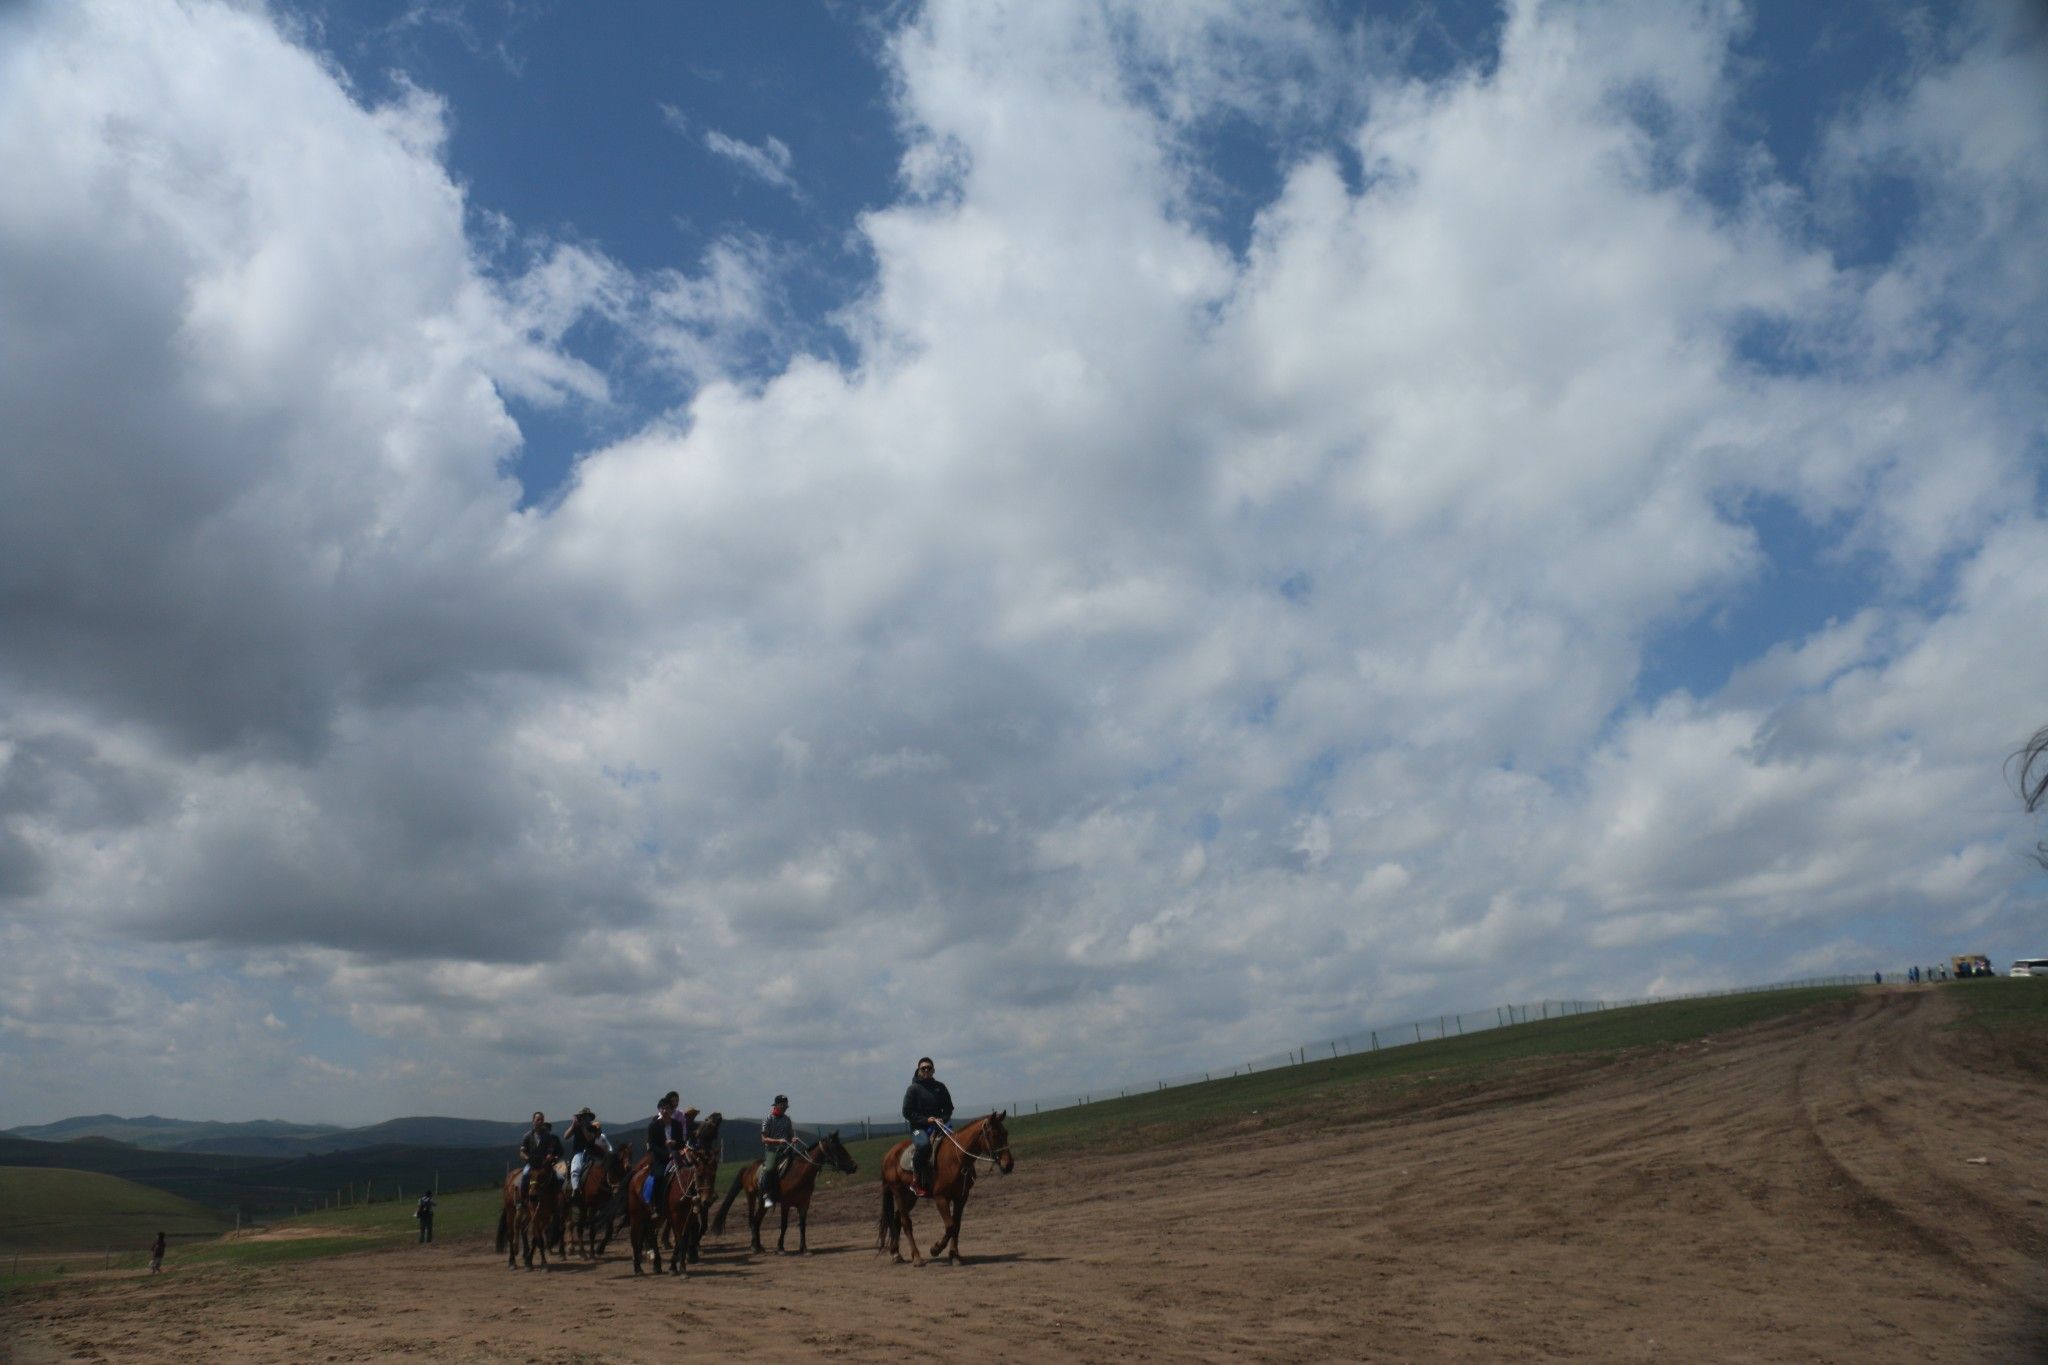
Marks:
<point>261,1188</point>
<point>53,1210</point>
<point>1351,1088</point>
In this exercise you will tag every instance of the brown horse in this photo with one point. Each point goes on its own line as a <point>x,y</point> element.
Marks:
<point>959,1152</point>
<point>674,1206</point>
<point>799,1179</point>
<point>594,1203</point>
<point>704,1143</point>
<point>529,1221</point>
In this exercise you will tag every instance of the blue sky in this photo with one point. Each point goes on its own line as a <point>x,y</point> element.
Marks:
<point>1207,525</point>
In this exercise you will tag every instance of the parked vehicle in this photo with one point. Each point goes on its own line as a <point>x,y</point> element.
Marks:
<point>2030,966</point>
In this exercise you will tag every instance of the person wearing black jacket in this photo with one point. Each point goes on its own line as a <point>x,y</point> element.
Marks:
<point>927,1106</point>
<point>668,1137</point>
<point>540,1149</point>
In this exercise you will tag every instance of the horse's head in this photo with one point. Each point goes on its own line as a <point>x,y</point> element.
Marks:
<point>619,1160</point>
<point>994,1140</point>
<point>836,1153</point>
<point>706,1136</point>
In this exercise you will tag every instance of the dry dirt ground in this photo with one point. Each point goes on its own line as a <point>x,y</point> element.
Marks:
<point>1800,1191</point>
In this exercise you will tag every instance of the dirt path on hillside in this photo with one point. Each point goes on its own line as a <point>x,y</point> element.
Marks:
<point>1798,1191</point>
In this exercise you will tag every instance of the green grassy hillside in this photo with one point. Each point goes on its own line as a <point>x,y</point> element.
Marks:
<point>1351,1087</point>
<point>53,1210</point>
<point>262,1188</point>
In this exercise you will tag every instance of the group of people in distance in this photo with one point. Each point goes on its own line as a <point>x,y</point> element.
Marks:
<point>927,1108</point>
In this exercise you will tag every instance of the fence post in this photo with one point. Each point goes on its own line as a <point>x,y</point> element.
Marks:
<point>1375,1040</point>
<point>1418,1033</point>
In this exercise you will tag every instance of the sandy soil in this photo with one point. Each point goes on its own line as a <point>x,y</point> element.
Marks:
<point>1800,1191</point>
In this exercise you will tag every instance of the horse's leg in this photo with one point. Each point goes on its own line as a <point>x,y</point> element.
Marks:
<point>803,1230</point>
<point>953,1227</point>
<point>782,1237</point>
<point>907,1202</point>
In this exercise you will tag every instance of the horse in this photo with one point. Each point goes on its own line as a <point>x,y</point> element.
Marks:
<point>595,1202</point>
<point>529,1221</point>
<point>704,1180</point>
<point>957,1154</point>
<point>676,1206</point>
<point>795,1191</point>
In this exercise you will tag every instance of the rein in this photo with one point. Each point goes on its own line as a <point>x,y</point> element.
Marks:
<point>994,1158</point>
<point>798,1151</point>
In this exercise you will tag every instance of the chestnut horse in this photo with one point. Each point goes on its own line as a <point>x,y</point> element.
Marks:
<point>956,1155</point>
<point>704,1183</point>
<point>674,1205</point>
<point>528,1222</point>
<point>595,1202</point>
<point>799,1179</point>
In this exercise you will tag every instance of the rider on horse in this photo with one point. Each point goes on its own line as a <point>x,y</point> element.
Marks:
<point>668,1136</point>
<point>927,1107</point>
<point>539,1149</point>
<point>777,1133</point>
<point>586,1136</point>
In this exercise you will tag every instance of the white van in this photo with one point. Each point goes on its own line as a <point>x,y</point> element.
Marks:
<point>2030,966</point>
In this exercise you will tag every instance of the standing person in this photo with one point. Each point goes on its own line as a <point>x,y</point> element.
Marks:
<point>927,1108</point>
<point>156,1255</point>
<point>424,1211</point>
<point>777,1132</point>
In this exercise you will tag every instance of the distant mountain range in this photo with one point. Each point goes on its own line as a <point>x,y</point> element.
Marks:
<point>273,1137</point>
<point>280,1139</point>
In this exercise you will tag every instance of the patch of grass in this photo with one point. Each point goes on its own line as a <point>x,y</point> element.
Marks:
<point>2005,1003</point>
<point>55,1210</point>
<point>469,1213</point>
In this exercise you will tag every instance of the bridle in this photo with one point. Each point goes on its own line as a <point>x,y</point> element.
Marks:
<point>995,1154</point>
<point>821,1145</point>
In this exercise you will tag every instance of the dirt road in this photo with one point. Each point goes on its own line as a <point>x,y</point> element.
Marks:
<point>1800,1191</point>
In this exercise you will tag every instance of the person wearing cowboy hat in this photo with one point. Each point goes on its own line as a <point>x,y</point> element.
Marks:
<point>586,1135</point>
<point>540,1148</point>
<point>777,1132</point>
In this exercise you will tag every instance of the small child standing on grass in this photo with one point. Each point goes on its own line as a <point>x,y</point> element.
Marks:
<point>425,1213</point>
<point>156,1255</point>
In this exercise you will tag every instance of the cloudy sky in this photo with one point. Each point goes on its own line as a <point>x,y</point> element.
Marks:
<point>548,556</point>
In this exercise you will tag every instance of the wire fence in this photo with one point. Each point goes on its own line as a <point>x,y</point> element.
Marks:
<point>1408,1033</point>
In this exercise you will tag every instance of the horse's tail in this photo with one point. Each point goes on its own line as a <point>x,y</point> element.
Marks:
<point>504,1228</point>
<point>718,1222</point>
<point>882,1233</point>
